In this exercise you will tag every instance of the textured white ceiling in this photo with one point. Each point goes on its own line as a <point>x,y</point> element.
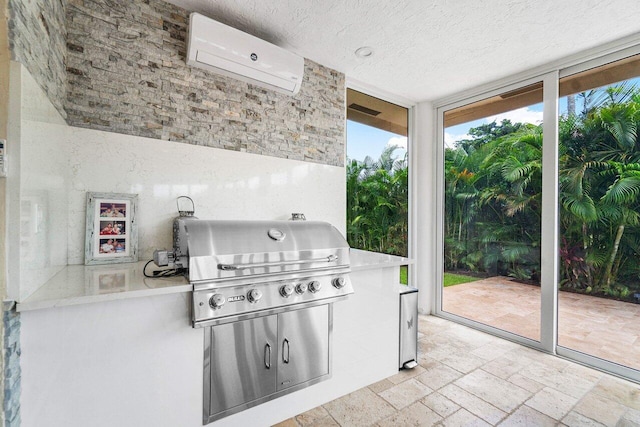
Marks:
<point>427,49</point>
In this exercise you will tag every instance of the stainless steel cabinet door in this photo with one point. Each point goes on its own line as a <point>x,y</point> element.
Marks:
<point>303,337</point>
<point>243,362</point>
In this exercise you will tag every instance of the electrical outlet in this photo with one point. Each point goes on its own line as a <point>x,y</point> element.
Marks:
<point>3,157</point>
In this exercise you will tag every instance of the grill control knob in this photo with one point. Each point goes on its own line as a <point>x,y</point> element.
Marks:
<point>338,282</point>
<point>254,295</point>
<point>315,286</point>
<point>286,290</point>
<point>217,301</point>
<point>301,288</point>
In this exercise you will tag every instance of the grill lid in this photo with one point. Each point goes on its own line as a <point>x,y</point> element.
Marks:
<point>225,250</point>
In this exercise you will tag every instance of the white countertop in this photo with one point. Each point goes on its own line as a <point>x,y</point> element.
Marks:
<point>365,260</point>
<point>80,284</point>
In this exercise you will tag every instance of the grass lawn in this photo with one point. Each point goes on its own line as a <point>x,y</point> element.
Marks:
<point>450,279</point>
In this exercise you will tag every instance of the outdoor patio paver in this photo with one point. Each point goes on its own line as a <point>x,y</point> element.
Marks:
<point>604,328</point>
<point>516,387</point>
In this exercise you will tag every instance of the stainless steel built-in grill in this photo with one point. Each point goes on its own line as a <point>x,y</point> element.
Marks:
<point>264,291</point>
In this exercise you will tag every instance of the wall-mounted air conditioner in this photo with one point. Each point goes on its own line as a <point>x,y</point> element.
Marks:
<point>222,49</point>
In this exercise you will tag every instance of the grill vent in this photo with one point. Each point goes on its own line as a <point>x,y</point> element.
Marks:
<point>363,109</point>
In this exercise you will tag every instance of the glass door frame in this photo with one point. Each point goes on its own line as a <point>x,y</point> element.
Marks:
<point>549,244</point>
<point>550,76</point>
<point>410,106</point>
<point>580,357</point>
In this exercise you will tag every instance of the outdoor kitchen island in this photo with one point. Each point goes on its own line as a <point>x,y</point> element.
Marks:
<point>125,354</point>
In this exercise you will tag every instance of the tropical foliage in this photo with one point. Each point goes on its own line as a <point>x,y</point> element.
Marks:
<point>493,189</point>
<point>377,203</point>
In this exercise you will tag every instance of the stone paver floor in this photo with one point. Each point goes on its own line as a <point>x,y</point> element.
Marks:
<point>601,327</point>
<point>469,378</point>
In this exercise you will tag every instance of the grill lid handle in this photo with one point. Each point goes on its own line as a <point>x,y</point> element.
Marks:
<point>230,267</point>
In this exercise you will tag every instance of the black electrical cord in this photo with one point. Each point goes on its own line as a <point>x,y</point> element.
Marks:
<point>171,272</point>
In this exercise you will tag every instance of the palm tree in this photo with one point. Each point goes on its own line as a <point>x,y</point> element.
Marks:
<point>460,208</point>
<point>377,203</point>
<point>492,200</point>
<point>493,195</point>
<point>516,170</point>
<point>621,202</point>
<point>599,186</point>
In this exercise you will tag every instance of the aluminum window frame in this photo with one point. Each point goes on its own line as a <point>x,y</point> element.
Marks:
<point>566,352</point>
<point>548,300</point>
<point>412,279</point>
<point>550,74</point>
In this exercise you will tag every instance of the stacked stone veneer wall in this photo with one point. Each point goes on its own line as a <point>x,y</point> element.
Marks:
<point>127,74</point>
<point>119,66</point>
<point>37,39</point>
<point>12,373</point>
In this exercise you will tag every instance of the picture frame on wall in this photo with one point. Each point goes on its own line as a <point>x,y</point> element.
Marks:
<point>111,228</point>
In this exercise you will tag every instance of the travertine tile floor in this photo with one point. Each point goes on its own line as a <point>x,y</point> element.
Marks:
<point>601,327</point>
<point>469,378</point>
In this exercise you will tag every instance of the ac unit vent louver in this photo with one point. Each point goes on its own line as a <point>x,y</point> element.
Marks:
<point>364,109</point>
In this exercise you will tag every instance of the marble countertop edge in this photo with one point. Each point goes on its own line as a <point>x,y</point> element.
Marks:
<point>79,284</point>
<point>366,260</point>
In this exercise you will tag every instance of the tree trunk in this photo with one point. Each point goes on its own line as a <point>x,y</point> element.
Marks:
<point>616,267</point>
<point>606,278</point>
<point>571,105</point>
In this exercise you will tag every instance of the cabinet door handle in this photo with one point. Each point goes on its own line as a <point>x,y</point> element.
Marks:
<point>267,356</point>
<point>285,359</point>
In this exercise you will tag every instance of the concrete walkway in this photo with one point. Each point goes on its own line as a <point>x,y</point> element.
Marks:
<point>601,327</point>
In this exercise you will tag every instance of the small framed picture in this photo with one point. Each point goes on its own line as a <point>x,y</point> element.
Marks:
<point>112,230</point>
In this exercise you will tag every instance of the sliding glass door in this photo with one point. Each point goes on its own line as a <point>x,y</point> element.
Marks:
<point>599,174</point>
<point>541,241</point>
<point>492,210</point>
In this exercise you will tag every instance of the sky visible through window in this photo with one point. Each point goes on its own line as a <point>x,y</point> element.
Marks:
<point>363,140</point>
<point>366,140</point>
<point>530,114</point>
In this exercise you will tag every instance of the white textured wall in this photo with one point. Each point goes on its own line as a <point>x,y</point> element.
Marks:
<point>44,188</point>
<point>36,190</point>
<point>427,204</point>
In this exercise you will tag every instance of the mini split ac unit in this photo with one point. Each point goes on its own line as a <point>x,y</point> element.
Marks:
<point>222,49</point>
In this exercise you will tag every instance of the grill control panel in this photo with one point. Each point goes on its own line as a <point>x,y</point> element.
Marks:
<point>226,301</point>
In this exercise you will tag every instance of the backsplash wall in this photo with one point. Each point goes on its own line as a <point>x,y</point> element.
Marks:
<point>61,163</point>
<point>127,74</point>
